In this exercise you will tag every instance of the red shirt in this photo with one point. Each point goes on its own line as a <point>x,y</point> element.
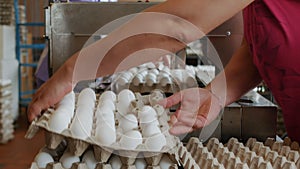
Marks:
<point>272,29</point>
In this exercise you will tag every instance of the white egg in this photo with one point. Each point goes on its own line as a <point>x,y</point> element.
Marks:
<point>86,103</point>
<point>145,123</point>
<point>150,130</point>
<point>122,81</point>
<point>165,162</point>
<point>67,159</point>
<point>107,103</point>
<point>128,122</point>
<point>165,81</point>
<point>42,159</point>
<point>105,134</point>
<point>164,78</point>
<point>138,79</point>
<point>85,110</point>
<point>86,95</point>
<point>127,75</point>
<point>85,113</point>
<point>154,71</point>
<point>126,94</point>
<point>131,140</point>
<point>143,72</point>
<point>58,122</point>
<point>147,115</point>
<point>162,75</point>
<point>156,142</point>
<point>123,108</point>
<point>89,159</point>
<point>105,115</point>
<point>115,162</point>
<point>150,79</point>
<point>125,97</point>
<point>133,70</point>
<point>106,124</point>
<point>146,111</point>
<point>69,110</point>
<point>140,163</point>
<point>147,120</point>
<point>108,95</point>
<point>68,99</point>
<point>81,127</point>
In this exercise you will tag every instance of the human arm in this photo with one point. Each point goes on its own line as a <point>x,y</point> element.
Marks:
<point>199,106</point>
<point>166,27</point>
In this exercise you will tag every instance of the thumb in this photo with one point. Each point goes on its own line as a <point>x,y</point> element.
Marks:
<point>171,101</point>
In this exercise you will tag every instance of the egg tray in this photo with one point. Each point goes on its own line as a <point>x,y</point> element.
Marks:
<point>253,155</point>
<point>149,162</point>
<point>6,116</point>
<point>148,77</point>
<point>77,145</point>
<point>6,135</point>
<point>5,106</point>
<point>6,124</point>
<point>98,166</point>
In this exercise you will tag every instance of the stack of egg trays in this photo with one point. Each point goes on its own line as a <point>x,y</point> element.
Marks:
<point>148,77</point>
<point>6,12</point>
<point>102,153</point>
<point>6,118</point>
<point>253,155</point>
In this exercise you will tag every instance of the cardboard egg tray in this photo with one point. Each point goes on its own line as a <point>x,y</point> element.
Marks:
<point>6,118</point>
<point>6,122</point>
<point>6,135</point>
<point>121,163</point>
<point>78,146</point>
<point>254,155</point>
<point>147,77</point>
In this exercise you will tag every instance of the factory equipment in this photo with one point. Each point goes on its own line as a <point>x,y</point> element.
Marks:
<point>70,25</point>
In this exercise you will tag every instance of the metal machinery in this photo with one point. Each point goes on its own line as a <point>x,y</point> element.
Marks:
<point>69,25</point>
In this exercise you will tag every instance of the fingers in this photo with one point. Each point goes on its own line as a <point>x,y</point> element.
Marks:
<point>170,101</point>
<point>183,122</point>
<point>35,108</point>
<point>33,111</point>
<point>187,119</point>
<point>180,129</point>
<point>177,127</point>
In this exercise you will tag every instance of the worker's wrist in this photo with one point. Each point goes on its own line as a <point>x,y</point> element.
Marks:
<point>65,75</point>
<point>219,98</point>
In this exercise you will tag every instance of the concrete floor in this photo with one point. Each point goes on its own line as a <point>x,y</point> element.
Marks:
<point>20,152</point>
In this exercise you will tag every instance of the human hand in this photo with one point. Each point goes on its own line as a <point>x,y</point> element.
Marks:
<point>49,94</point>
<point>199,107</point>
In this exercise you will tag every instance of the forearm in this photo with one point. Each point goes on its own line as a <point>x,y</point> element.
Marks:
<point>238,77</point>
<point>168,27</point>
